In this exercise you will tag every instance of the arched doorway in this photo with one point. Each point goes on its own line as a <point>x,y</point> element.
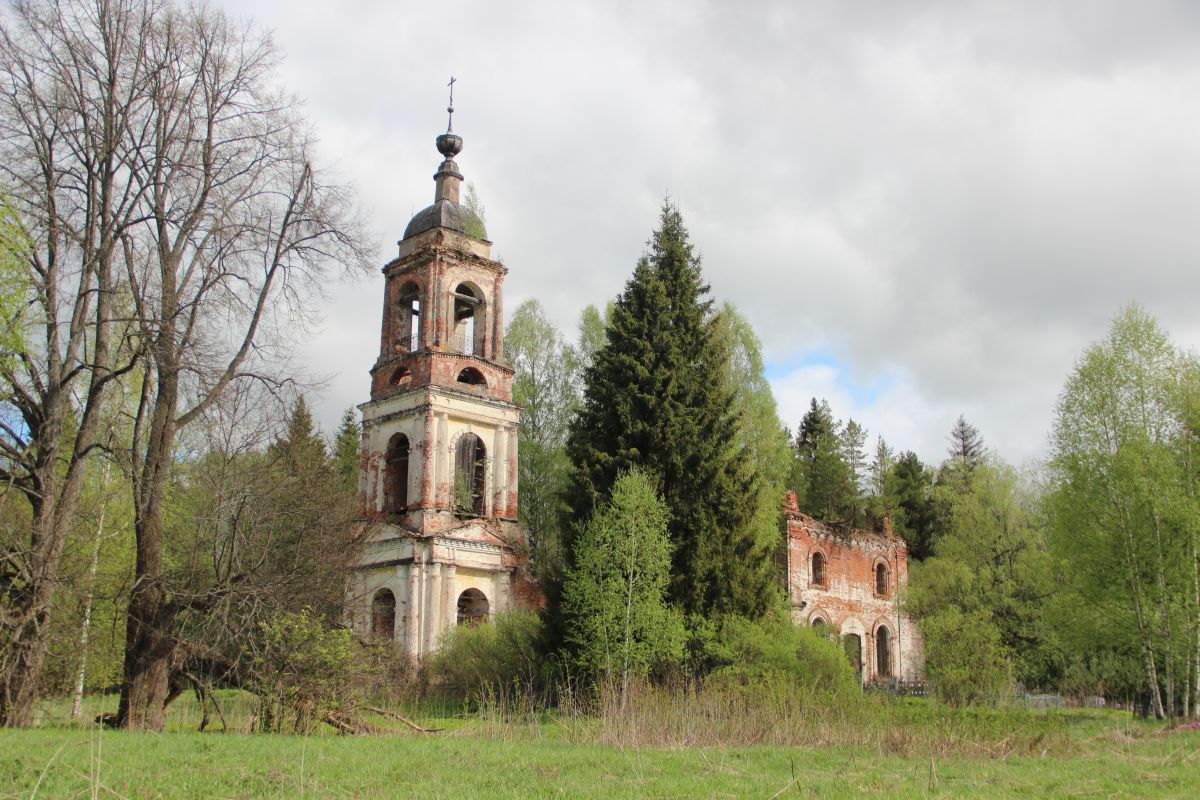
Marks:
<point>883,652</point>
<point>852,646</point>
<point>397,474</point>
<point>383,616</point>
<point>473,607</point>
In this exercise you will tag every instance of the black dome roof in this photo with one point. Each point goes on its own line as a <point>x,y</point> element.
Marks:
<point>446,214</point>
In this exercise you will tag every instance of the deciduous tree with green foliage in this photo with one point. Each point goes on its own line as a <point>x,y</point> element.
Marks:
<point>989,568</point>
<point>546,384</point>
<point>655,398</point>
<point>618,623</point>
<point>1125,513</point>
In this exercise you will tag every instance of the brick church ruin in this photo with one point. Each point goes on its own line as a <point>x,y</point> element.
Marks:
<point>847,582</point>
<point>440,543</point>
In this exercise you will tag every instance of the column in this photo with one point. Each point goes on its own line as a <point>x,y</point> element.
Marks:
<point>421,469</point>
<point>512,473</point>
<point>500,474</point>
<point>433,583</point>
<point>497,320</point>
<point>441,489</point>
<point>412,643</point>
<point>449,596</point>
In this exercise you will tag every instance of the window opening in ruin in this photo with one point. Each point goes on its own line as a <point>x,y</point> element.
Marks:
<point>468,320</point>
<point>397,474</point>
<point>408,318</point>
<point>469,475</point>
<point>852,645</point>
<point>383,616</point>
<point>883,653</point>
<point>401,377</point>
<point>818,569</point>
<point>881,579</point>
<point>472,607</point>
<point>819,625</point>
<point>472,376</point>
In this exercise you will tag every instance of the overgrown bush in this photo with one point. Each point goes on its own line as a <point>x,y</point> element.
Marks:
<point>498,658</point>
<point>306,671</point>
<point>964,660</point>
<point>740,651</point>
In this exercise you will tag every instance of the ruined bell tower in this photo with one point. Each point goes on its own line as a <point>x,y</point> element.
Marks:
<point>437,528</point>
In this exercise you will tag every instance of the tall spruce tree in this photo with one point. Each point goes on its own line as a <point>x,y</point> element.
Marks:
<point>654,398</point>
<point>824,482</point>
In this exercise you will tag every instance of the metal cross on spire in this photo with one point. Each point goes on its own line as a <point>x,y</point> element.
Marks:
<point>450,108</point>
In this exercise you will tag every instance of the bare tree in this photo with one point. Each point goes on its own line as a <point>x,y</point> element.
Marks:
<point>176,220</point>
<point>239,230</point>
<point>70,80</point>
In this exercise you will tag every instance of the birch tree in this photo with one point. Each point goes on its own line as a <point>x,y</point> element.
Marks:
<point>614,600</point>
<point>1125,511</point>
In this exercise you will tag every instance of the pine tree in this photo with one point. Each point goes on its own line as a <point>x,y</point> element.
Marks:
<point>654,398</point>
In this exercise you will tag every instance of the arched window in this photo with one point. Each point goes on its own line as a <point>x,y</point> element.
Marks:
<point>396,474</point>
<point>820,626</point>
<point>472,607</point>
<point>472,376</point>
<point>469,320</point>
<point>408,318</point>
<point>883,652</point>
<point>470,475</point>
<point>818,569</point>
<point>383,616</point>
<point>881,579</point>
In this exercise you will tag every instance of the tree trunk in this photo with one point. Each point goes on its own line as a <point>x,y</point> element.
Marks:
<point>148,638</point>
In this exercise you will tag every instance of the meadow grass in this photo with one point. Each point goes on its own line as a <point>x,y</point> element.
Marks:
<point>508,753</point>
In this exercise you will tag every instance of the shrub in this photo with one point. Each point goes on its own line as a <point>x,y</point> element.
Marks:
<point>964,660</point>
<point>305,671</point>
<point>740,651</point>
<point>499,657</point>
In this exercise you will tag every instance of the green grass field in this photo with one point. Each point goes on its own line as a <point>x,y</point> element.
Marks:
<point>1098,754</point>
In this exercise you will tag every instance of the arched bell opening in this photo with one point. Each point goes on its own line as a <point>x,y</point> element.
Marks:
<point>473,607</point>
<point>470,475</point>
<point>472,377</point>
<point>408,318</point>
<point>396,474</point>
<point>470,320</point>
<point>401,377</point>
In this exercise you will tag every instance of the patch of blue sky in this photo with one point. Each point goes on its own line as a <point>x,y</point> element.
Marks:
<point>861,393</point>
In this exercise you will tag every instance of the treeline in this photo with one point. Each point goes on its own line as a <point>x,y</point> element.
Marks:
<point>1076,575</point>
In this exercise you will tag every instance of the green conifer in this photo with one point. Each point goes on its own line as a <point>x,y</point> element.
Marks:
<point>654,398</point>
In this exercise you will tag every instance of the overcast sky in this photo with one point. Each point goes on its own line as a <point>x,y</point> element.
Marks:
<point>924,209</point>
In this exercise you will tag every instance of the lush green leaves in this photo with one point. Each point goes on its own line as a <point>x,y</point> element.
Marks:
<point>618,623</point>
